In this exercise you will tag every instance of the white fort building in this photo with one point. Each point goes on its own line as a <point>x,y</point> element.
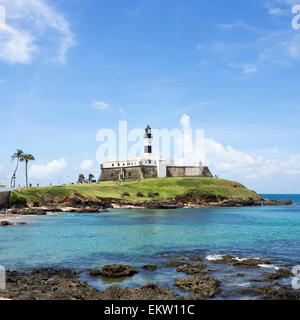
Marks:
<point>149,166</point>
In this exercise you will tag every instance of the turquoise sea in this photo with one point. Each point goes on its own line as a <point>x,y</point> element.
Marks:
<point>139,236</point>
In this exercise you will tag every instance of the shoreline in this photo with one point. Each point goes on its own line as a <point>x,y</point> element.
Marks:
<point>195,278</point>
<point>84,205</point>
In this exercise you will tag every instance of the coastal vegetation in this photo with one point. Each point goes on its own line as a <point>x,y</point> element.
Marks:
<point>20,156</point>
<point>147,190</point>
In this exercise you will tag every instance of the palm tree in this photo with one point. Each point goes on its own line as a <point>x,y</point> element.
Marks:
<point>17,155</point>
<point>26,158</point>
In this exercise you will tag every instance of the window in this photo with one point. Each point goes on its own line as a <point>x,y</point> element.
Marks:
<point>113,165</point>
<point>118,164</point>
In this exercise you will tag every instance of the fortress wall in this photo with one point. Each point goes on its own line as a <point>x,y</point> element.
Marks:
<point>188,171</point>
<point>108,174</point>
<point>150,172</point>
<point>4,197</point>
<point>175,171</point>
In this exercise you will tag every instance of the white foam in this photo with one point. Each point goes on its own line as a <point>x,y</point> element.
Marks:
<point>269,266</point>
<point>243,284</point>
<point>214,257</point>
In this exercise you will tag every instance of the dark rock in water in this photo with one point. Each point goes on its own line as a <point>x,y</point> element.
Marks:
<point>176,264</point>
<point>250,263</point>
<point>196,259</point>
<point>282,293</point>
<point>95,272</point>
<point>225,259</point>
<point>280,274</point>
<point>257,280</point>
<point>245,263</point>
<point>191,269</point>
<point>147,292</point>
<point>163,205</point>
<point>240,275</point>
<point>21,223</point>
<point>118,271</point>
<point>202,287</point>
<point>5,223</point>
<point>150,267</point>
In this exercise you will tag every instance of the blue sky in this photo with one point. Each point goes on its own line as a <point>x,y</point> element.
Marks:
<point>232,67</point>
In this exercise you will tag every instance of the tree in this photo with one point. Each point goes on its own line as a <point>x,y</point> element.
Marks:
<point>17,155</point>
<point>26,158</point>
<point>91,177</point>
<point>81,178</point>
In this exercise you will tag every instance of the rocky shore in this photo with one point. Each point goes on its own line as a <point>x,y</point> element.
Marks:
<point>80,204</point>
<point>197,284</point>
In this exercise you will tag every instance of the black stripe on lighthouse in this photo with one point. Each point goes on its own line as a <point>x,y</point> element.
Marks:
<point>148,149</point>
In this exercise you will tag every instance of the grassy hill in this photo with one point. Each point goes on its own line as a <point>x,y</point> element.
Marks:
<point>165,188</point>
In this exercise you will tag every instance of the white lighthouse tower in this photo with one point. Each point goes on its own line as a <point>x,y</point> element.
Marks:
<point>148,142</point>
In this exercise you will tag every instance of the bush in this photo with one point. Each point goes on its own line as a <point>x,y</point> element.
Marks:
<point>17,200</point>
<point>150,194</point>
<point>140,194</point>
<point>125,194</point>
<point>156,194</point>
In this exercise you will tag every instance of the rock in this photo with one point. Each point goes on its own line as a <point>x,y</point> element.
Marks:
<point>176,264</point>
<point>196,259</point>
<point>280,274</point>
<point>225,259</point>
<point>147,292</point>
<point>5,223</point>
<point>21,223</point>
<point>95,272</point>
<point>257,280</point>
<point>250,263</point>
<point>191,269</point>
<point>240,275</point>
<point>150,267</point>
<point>282,293</point>
<point>202,287</point>
<point>118,271</point>
<point>47,284</point>
<point>163,205</point>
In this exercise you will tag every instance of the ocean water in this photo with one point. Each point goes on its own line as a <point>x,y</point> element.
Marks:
<point>138,237</point>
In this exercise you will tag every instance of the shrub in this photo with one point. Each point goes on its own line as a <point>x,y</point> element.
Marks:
<point>150,194</point>
<point>156,194</point>
<point>140,194</point>
<point>125,194</point>
<point>17,200</point>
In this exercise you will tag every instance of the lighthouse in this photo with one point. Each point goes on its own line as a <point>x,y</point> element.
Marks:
<point>148,142</point>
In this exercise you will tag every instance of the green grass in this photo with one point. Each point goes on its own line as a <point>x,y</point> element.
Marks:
<point>167,188</point>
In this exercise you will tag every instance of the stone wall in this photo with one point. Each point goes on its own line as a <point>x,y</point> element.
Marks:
<point>146,172</point>
<point>188,171</point>
<point>4,197</point>
<point>149,172</point>
<point>108,174</point>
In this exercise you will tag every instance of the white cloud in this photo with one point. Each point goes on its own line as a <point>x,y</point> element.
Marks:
<point>246,68</point>
<point>280,7</point>
<point>49,170</point>
<point>27,21</point>
<point>87,165</point>
<point>100,105</point>
<point>227,162</point>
